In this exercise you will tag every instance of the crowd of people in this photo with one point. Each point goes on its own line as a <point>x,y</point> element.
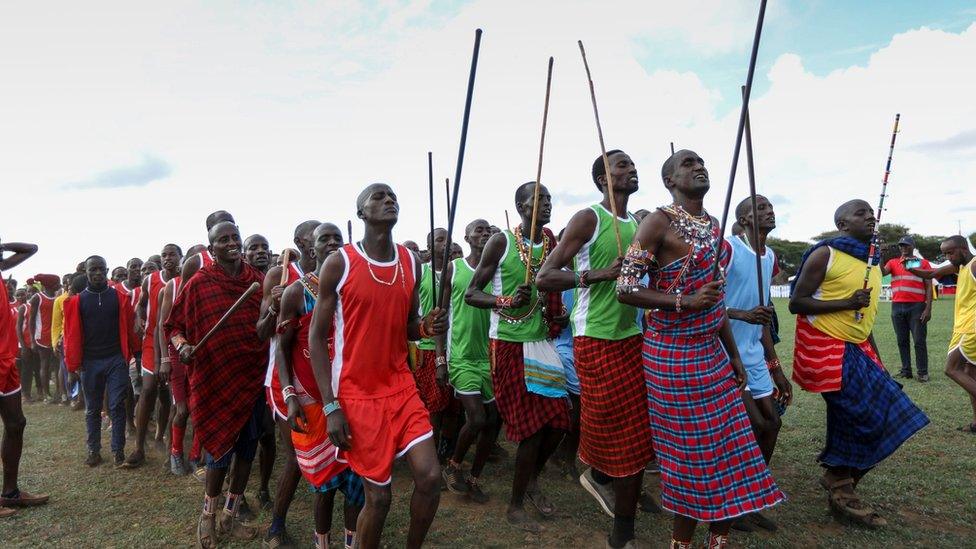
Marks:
<point>637,343</point>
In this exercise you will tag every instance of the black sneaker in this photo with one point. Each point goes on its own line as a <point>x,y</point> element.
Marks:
<point>119,459</point>
<point>905,375</point>
<point>453,479</point>
<point>475,493</point>
<point>94,459</point>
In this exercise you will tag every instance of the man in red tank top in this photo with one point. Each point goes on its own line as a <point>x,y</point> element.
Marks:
<point>368,293</point>
<point>266,327</point>
<point>28,359</point>
<point>42,306</point>
<point>147,318</point>
<point>11,412</point>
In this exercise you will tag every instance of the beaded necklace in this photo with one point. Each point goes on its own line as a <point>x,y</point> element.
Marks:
<point>696,231</point>
<point>397,271</point>
<point>525,249</point>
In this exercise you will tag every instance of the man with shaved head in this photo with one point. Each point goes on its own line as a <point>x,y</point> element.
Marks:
<point>257,252</point>
<point>204,258</point>
<point>868,415</point>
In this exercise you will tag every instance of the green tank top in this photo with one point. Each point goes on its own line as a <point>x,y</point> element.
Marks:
<point>523,324</point>
<point>596,311</point>
<point>469,325</point>
<point>427,301</point>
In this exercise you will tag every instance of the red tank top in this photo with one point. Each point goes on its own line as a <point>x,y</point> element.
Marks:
<point>270,375</point>
<point>8,327</point>
<point>371,325</point>
<point>206,259</point>
<point>26,331</point>
<point>170,350</point>
<point>42,322</point>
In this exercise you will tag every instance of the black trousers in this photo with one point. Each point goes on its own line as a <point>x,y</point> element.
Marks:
<point>906,318</point>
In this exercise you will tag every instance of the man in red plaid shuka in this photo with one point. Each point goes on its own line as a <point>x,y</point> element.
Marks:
<point>615,435</point>
<point>225,375</point>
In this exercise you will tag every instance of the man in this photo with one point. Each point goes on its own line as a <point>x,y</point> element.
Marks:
<point>319,464</point>
<point>766,384</point>
<point>615,440</point>
<point>711,468</point>
<point>28,358</point>
<point>41,307</point>
<point>118,275</point>
<point>11,413</point>
<point>225,376</point>
<point>257,252</point>
<point>868,415</point>
<point>133,286</point>
<point>148,268</point>
<point>911,307</point>
<point>76,284</point>
<point>369,292</point>
<point>456,251</point>
<point>469,369</point>
<point>204,258</point>
<point>961,360</point>
<point>298,265</point>
<point>98,343</point>
<point>535,417</point>
<point>147,318</point>
<point>431,375</point>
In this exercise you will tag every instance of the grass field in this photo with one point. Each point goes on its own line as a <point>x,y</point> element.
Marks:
<point>926,490</point>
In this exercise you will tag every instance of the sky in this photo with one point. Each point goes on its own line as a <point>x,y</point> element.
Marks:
<point>126,123</point>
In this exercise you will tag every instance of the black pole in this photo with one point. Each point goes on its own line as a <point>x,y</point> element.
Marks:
<point>740,131</point>
<point>349,230</point>
<point>430,192</point>
<point>755,209</point>
<point>672,148</point>
<point>464,139</point>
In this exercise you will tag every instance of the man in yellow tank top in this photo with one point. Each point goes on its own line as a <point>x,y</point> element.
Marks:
<point>868,415</point>
<point>961,362</point>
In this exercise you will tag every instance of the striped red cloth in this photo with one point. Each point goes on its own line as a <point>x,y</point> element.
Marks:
<point>818,358</point>
<point>524,413</point>
<point>227,373</point>
<point>435,397</point>
<point>615,429</point>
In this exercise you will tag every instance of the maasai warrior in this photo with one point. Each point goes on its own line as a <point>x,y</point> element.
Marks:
<point>368,292</point>
<point>298,264</point>
<point>317,455</point>
<point>868,415</point>
<point>615,437</point>
<point>257,252</point>
<point>469,369</point>
<point>712,470</point>
<point>98,343</point>
<point>11,412</point>
<point>28,359</point>
<point>41,306</point>
<point>431,375</point>
<point>133,285</point>
<point>149,268</point>
<point>527,375</point>
<point>961,360</point>
<point>204,257</point>
<point>225,376</point>
<point>765,381</point>
<point>147,318</point>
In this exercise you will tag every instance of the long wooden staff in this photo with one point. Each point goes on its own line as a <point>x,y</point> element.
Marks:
<point>460,158</point>
<point>349,230</point>
<point>739,132</point>
<point>603,151</point>
<point>538,177</point>
<point>755,209</point>
<point>430,192</point>
<point>508,224</point>
<point>254,287</point>
<point>284,266</point>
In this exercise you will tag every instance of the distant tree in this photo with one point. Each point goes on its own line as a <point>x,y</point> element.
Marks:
<point>788,253</point>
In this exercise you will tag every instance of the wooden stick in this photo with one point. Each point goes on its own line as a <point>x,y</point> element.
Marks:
<point>755,208</point>
<point>430,192</point>
<point>603,151</point>
<point>254,287</point>
<point>284,266</point>
<point>739,133</point>
<point>538,176</point>
<point>460,157</point>
<point>349,230</point>
<point>508,224</point>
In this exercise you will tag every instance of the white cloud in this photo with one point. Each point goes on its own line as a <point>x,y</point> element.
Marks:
<point>281,113</point>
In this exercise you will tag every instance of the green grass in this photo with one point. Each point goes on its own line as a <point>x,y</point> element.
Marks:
<point>925,490</point>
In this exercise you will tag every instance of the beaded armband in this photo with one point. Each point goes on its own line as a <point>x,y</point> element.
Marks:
<point>635,265</point>
<point>773,364</point>
<point>503,302</point>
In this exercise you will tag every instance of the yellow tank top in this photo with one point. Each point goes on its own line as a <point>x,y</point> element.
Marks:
<point>845,274</point>
<point>965,308</point>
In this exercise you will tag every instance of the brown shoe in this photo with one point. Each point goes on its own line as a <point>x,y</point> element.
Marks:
<point>24,499</point>
<point>6,512</point>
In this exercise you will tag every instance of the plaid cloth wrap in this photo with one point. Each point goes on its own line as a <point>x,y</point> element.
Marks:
<point>615,437</point>
<point>711,467</point>
<point>524,413</point>
<point>227,373</point>
<point>870,416</point>
<point>435,397</point>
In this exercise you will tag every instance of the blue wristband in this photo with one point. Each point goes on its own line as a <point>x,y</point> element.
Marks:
<point>331,407</point>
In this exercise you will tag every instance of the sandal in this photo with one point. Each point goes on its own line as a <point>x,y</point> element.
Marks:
<point>206,531</point>
<point>971,429</point>
<point>540,502</point>
<point>849,505</point>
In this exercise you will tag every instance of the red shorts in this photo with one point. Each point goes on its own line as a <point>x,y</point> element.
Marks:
<point>9,377</point>
<point>382,430</point>
<point>148,357</point>
<point>179,382</point>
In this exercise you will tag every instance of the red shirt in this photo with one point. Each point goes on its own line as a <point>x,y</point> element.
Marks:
<point>155,285</point>
<point>8,327</point>
<point>906,287</point>
<point>42,325</point>
<point>371,325</point>
<point>270,375</point>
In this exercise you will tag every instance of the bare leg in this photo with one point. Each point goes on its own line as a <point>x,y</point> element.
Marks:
<point>958,370</point>
<point>486,441</point>
<point>147,401</point>
<point>627,491</point>
<point>683,528</point>
<point>323,511</point>
<point>12,445</point>
<point>369,526</point>
<point>566,454</point>
<point>426,470</point>
<point>163,418</point>
<point>765,422</point>
<point>290,473</point>
<point>475,422</point>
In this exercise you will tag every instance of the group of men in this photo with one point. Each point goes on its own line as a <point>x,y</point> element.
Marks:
<point>672,364</point>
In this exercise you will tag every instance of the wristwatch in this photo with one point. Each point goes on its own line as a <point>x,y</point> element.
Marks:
<point>331,407</point>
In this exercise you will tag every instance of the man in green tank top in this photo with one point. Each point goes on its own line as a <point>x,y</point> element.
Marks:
<point>536,418</point>
<point>469,368</point>
<point>615,433</point>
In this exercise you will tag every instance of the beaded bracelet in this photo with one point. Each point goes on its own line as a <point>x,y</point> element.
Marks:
<point>677,302</point>
<point>440,361</point>
<point>503,302</point>
<point>288,391</point>
<point>422,330</point>
<point>773,364</point>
